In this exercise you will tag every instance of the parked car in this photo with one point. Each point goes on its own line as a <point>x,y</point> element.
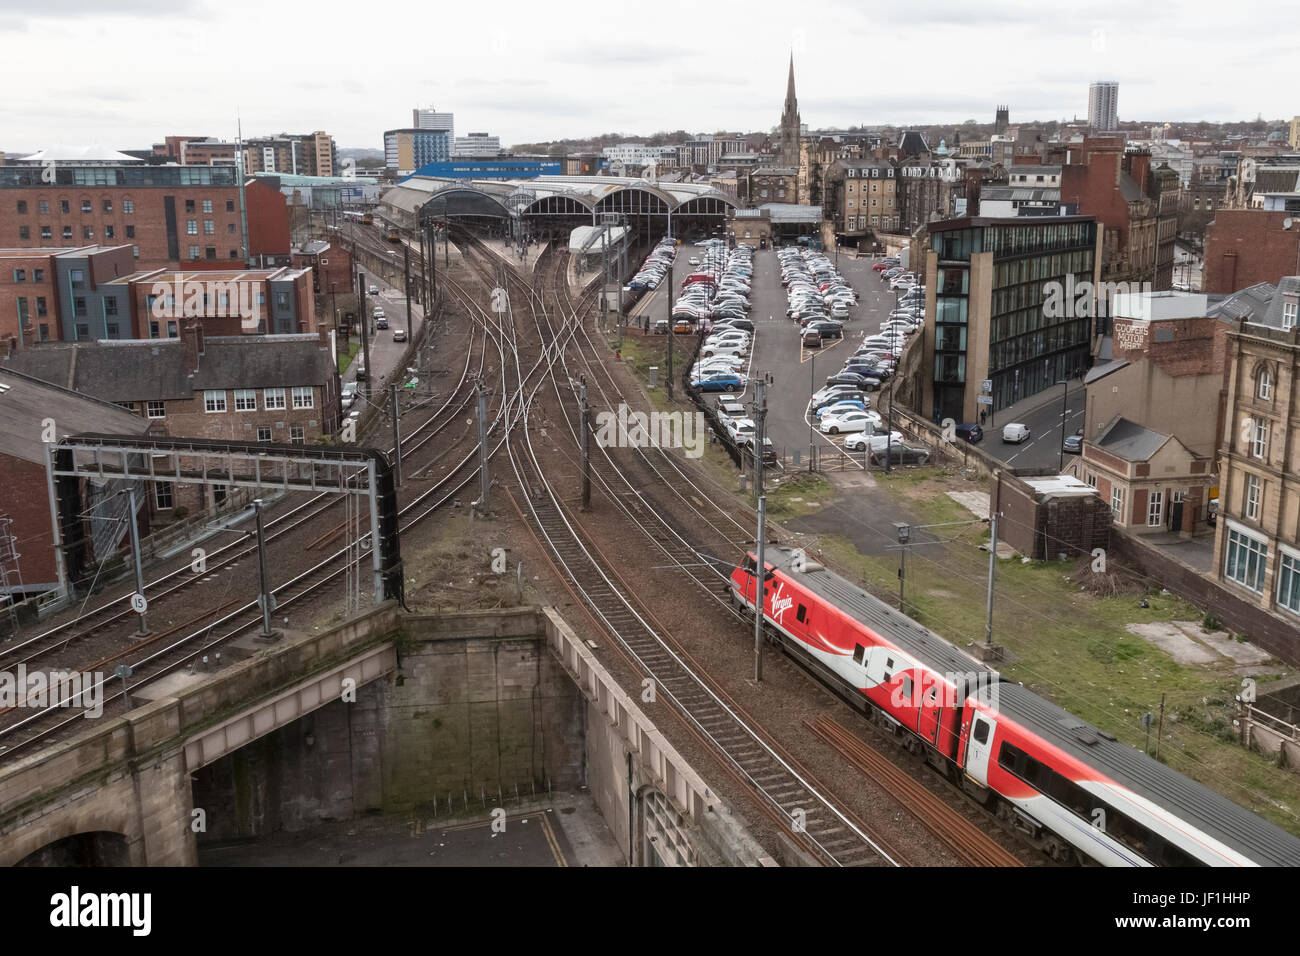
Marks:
<point>374,290</point>
<point>852,378</point>
<point>361,374</point>
<point>969,431</point>
<point>399,335</point>
<point>1014,433</point>
<point>811,339</point>
<point>718,382</point>
<point>843,405</point>
<point>1073,444</point>
<point>661,326</point>
<point>730,408</point>
<point>876,442</point>
<point>850,420</point>
<point>349,394</point>
<point>901,455</point>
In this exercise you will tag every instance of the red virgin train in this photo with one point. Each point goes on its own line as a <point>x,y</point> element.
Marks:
<point>1075,790</point>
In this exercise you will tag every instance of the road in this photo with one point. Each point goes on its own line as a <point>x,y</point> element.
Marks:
<point>384,352</point>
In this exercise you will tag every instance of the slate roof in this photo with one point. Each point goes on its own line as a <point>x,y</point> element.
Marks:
<point>1288,286</point>
<point>26,401</point>
<point>1249,303</point>
<point>137,370</point>
<point>1130,441</point>
<point>1129,189</point>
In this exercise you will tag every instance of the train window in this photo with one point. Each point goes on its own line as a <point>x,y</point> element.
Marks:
<point>802,614</point>
<point>907,691</point>
<point>889,662</point>
<point>1011,758</point>
<point>749,566</point>
<point>859,654</point>
<point>981,731</point>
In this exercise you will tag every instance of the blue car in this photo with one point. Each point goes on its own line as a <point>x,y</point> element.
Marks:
<point>717,383</point>
<point>841,406</point>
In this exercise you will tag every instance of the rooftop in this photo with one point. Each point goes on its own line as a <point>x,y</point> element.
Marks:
<point>1130,441</point>
<point>25,399</point>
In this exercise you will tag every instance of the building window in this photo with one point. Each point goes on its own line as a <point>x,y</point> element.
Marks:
<point>297,435</point>
<point>83,331</point>
<point>189,205</point>
<point>273,398</point>
<point>162,493</point>
<point>207,207</point>
<point>1259,438</point>
<point>1092,480</point>
<point>1117,502</point>
<point>230,228</point>
<point>135,251</point>
<point>40,305</point>
<point>1246,559</point>
<point>192,227</point>
<point>130,232</point>
<point>156,409</point>
<point>245,400</point>
<point>214,401</point>
<point>110,306</point>
<point>43,207</point>
<point>20,275</point>
<point>1289,310</point>
<point>1288,583</point>
<point>209,227</point>
<point>87,232</point>
<point>65,207</point>
<point>1254,495</point>
<point>108,205</point>
<point>79,305</point>
<point>172,331</point>
<point>1155,509</point>
<point>38,275</point>
<point>194,252</point>
<point>108,232</point>
<point>45,232</point>
<point>24,232</point>
<point>128,206</point>
<point>302,398</point>
<point>1265,385</point>
<point>85,206</point>
<point>264,434</point>
<point>67,232</point>
<point>230,205</point>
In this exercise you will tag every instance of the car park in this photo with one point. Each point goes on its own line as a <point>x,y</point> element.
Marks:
<point>1014,433</point>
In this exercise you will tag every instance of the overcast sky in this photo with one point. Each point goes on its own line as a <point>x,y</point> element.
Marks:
<point>124,73</point>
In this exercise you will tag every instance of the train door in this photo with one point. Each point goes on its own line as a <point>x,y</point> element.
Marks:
<point>979,747</point>
<point>931,715</point>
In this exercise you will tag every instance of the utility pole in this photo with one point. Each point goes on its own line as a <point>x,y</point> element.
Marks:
<point>1065,411</point>
<point>264,574</point>
<point>993,558</point>
<point>397,436</point>
<point>604,277</point>
<point>671,334</point>
<point>365,330</point>
<point>812,386</point>
<point>424,276</point>
<point>619,265</point>
<point>482,450</point>
<point>406,264</point>
<point>135,554</point>
<point>889,433</point>
<point>586,445</point>
<point>760,414</point>
<point>760,596</point>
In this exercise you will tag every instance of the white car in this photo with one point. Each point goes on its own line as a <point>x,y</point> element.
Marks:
<point>715,351</point>
<point>728,335</point>
<point>1014,433</point>
<point>855,420</point>
<point>740,427</point>
<point>876,442</point>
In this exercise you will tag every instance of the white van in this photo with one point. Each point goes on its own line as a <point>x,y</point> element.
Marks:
<point>1014,434</point>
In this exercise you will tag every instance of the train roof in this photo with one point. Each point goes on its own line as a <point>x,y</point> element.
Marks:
<point>927,646</point>
<point>1215,814</point>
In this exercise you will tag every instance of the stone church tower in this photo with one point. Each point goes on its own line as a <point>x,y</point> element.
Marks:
<point>790,124</point>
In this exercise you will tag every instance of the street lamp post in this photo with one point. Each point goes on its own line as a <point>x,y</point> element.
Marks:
<point>1064,412</point>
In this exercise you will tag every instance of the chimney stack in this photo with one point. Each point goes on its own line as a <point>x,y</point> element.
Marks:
<point>323,334</point>
<point>193,336</point>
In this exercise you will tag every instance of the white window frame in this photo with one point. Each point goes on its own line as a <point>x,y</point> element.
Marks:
<point>1239,538</point>
<point>214,401</point>
<point>1155,509</point>
<point>1117,501</point>
<point>273,398</point>
<point>297,435</point>
<point>1259,438</point>
<point>1288,573</point>
<point>1289,314</point>
<point>303,397</point>
<point>159,488</point>
<point>245,399</point>
<point>1254,497</point>
<point>159,407</point>
<point>1265,390</point>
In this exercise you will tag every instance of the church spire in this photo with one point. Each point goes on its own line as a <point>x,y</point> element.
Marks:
<point>791,104</point>
<point>790,125</point>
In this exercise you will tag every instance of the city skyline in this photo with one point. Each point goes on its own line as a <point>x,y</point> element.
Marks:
<point>548,80</point>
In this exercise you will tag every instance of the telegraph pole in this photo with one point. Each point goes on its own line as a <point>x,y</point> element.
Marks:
<point>410,316</point>
<point>482,450</point>
<point>812,386</point>
<point>586,445</point>
<point>760,596</point>
<point>365,333</point>
<point>889,433</point>
<point>135,554</point>
<point>397,437</point>
<point>264,574</point>
<point>760,414</point>
<point>604,277</point>
<point>671,334</point>
<point>993,558</point>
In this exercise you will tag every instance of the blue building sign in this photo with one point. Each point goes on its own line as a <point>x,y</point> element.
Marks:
<point>474,169</point>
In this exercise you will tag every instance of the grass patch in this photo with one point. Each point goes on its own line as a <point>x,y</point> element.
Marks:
<point>1072,647</point>
<point>347,354</point>
<point>812,491</point>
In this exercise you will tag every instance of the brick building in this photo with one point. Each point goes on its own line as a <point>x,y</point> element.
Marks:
<point>274,388</point>
<point>167,215</point>
<point>861,199</point>
<point>1136,205</point>
<point>1257,544</point>
<point>1044,517</point>
<point>308,154</point>
<point>25,404</point>
<point>1247,246</point>
<point>773,184</point>
<point>53,295</point>
<point>195,151</point>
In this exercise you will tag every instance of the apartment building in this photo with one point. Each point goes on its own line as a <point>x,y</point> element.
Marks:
<point>861,197</point>
<point>307,154</point>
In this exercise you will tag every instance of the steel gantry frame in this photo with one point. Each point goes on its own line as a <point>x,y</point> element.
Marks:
<point>363,472</point>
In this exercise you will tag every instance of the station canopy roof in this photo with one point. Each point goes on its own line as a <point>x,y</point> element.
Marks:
<point>587,239</point>
<point>588,190</point>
